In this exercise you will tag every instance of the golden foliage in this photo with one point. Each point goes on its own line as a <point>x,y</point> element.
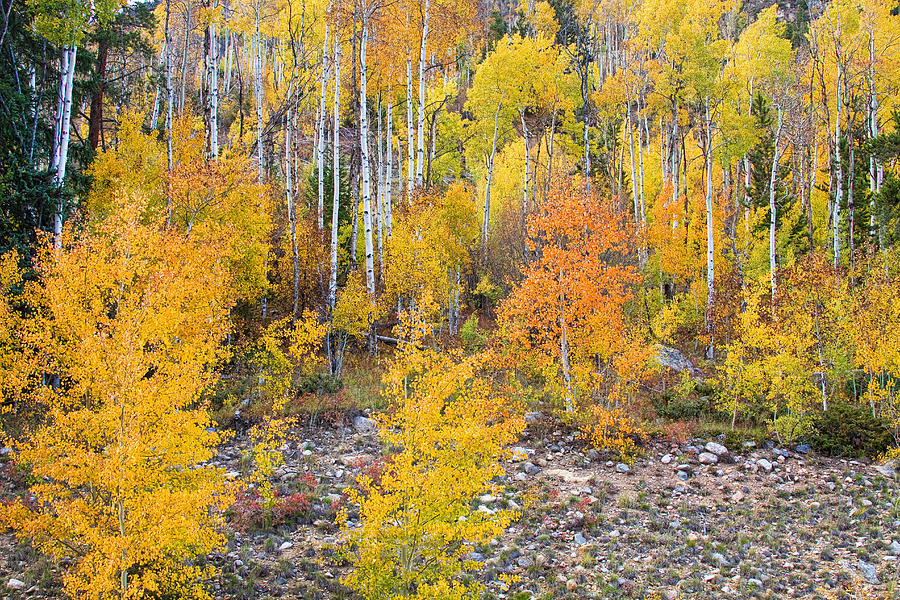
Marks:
<point>133,319</point>
<point>417,523</point>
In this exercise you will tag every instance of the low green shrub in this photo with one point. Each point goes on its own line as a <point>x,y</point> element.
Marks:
<point>472,337</point>
<point>850,430</point>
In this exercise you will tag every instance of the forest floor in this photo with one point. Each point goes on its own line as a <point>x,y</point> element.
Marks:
<point>764,522</point>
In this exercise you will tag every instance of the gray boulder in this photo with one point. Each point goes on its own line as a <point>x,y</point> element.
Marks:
<point>674,359</point>
<point>363,424</point>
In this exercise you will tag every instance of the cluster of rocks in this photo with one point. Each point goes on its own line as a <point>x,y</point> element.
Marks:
<point>691,519</point>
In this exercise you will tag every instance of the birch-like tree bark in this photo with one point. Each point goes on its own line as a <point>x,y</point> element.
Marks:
<point>366,167</point>
<point>773,177</point>
<point>839,174</point>
<point>258,89</point>
<point>211,47</point>
<point>390,168</point>
<point>410,144</point>
<point>170,98</point>
<point>186,50</point>
<point>59,157</point>
<point>423,54</point>
<point>486,222</point>
<point>320,149</point>
<point>527,168</point>
<point>291,209</point>
<point>336,176</point>
<point>379,208</point>
<point>710,250</point>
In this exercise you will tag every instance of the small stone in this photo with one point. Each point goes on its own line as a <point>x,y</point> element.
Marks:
<point>533,417</point>
<point>615,533</point>
<point>765,465</point>
<point>738,496</point>
<point>749,444</point>
<point>622,468</point>
<point>580,539</point>
<point>756,582</point>
<point>708,458</point>
<point>531,468</point>
<point>719,559</point>
<point>802,449</point>
<point>363,424</point>
<point>716,448</point>
<point>284,546</point>
<point>520,477</point>
<point>894,548</point>
<point>888,469</point>
<point>683,475</point>
<point>525,561</point>
<point>356,461</point>
<point>868,571</point>
<point>540,560</point>
<point>571,585</point>
<point>15,584</point>
<point>667,459</point>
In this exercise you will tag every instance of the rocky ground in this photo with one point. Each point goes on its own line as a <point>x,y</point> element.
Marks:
<point>685,520</point>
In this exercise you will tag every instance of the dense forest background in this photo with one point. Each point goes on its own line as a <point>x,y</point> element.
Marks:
<point>649,218</point>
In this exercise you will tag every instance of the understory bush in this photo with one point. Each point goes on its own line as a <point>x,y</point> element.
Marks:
<point>851,430</point>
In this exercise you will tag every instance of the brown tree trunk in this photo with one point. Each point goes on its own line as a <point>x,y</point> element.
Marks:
<point>95,120</point>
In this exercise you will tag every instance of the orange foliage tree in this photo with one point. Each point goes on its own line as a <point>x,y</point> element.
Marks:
<point>568,317</point>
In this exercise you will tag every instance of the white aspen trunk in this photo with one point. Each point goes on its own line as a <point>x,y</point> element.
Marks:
<point>874,167</point>
<point>259,98</point>
<point>212,91</point>
<point>772,214</point>
<point>839,176</point>
<point>527,166</point>
<point>410,144</point>
<point>154,119</point>
<point>486,223</point>
<point>564,359</point>
<point>390,168</point>
<point>587,151</point>
<point>170,97</point>
<point>366,175</point>
<point>641,174</point>
<point>420,151</point>
<point>550,141</point>
<point>291,211</point>
<point>379,209</point>
<point>320,150</point>
<point>184,56</point>
<point>634,191</point>
<point>61,132</point>
<point>710,251</point>
<point>663,159</point>
<point>229,64</point>
<point>675,161</point>
<point>433,145</point>
<point>336,176</point>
